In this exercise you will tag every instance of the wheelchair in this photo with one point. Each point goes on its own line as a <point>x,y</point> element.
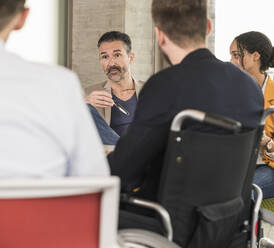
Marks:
<point>204,197</point>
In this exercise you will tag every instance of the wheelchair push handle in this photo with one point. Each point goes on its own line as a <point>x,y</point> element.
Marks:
<point>202,117</point>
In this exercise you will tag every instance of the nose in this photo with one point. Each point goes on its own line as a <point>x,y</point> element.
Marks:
<point>111,61</point>
<point>232,60</point>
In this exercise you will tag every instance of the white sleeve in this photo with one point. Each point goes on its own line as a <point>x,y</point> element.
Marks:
<point>87,156</point>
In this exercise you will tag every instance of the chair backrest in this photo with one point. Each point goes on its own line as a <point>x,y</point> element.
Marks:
<point>204,179</point>
<point>59,213</point>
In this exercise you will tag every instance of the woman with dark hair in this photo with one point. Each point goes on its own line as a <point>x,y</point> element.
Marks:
<point>254,53</point>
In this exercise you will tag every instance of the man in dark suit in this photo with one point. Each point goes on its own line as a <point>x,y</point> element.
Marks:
<point>196,80</point>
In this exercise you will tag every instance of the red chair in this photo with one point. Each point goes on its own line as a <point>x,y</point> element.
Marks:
<point>59,213</point>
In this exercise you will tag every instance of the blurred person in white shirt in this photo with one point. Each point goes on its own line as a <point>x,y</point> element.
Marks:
<point>45,127</point>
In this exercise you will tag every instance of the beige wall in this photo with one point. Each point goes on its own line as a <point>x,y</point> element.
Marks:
<point>211,14</point>
<point>89,19</point>
<point>138,25</point>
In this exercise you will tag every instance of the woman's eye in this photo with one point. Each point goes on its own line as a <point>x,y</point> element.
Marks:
<point>117,55</point>
<point>236,55</point>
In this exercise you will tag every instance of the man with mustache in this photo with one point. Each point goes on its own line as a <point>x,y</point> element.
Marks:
<point>115,98</point>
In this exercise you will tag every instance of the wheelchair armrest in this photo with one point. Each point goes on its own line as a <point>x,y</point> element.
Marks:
<point>257,205</point>
<point>163,213</point>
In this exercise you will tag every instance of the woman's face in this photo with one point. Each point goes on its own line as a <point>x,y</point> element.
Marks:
<point>246,63</point>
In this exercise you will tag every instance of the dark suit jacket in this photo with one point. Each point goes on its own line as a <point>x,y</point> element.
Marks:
<point>199,82</point>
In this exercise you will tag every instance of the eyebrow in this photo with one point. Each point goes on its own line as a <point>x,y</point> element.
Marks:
<point>117,50</point>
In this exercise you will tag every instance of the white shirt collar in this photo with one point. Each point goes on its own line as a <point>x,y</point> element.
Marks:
<point>264,85</point>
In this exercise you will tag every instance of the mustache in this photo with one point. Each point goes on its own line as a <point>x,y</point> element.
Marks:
<point>118,68</point>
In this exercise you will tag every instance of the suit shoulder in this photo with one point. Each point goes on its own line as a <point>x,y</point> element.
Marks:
<point>163,76</point>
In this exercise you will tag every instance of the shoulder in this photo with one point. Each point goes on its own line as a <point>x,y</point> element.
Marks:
<point>164,78</point>
<point>37,70</point>
<point>270,81</point>
<point>57,72</point>
<point>57,77</point>
<point>238,77</point>
<point>93,87</point>
<point>46,76</point>
<point>269,90</point>
<point>160,85</point>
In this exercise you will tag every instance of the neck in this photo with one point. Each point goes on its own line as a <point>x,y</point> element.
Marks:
<point>177,54</point>
<point>259,77</point>
<point>124,85</point>
<point>4,35</point>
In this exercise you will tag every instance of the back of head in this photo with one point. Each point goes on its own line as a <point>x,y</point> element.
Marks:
<point>116,36</point>
<point>8,9</point>
<point>183,21</point>
<point>257,42</point>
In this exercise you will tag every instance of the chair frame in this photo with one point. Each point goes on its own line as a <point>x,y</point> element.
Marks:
<point>255,215</point>
<point>45,188</point>
<point>214,120</point>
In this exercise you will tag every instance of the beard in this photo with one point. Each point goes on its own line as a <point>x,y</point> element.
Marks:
<point>115,73</point>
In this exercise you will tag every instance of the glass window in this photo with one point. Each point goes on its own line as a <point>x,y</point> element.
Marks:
<point>39,40</point>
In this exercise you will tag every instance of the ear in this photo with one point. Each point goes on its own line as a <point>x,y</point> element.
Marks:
<point>131,57</point>
<point>160,36</point>
<point>209,27</point>
<point>21,19</point>
<point>256,56</point>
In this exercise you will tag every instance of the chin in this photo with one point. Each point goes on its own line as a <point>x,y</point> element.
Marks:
<point>115,79</point>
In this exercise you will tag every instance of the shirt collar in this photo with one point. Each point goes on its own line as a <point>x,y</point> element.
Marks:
<point>265,82</point>
<point>200,53</point>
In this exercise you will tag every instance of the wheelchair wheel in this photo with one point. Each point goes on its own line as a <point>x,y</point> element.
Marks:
<point>136,238</point>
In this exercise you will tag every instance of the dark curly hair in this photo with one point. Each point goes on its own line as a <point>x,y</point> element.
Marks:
<point>256,42</point>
